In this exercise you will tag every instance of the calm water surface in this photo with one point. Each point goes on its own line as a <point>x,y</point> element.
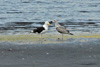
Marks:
<point>24,15</point>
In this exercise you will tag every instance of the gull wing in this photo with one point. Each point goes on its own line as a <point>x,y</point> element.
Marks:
<point>62,29</point>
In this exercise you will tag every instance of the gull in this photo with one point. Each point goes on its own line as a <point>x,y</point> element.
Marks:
<point>61,29</point>
<point>41,30</point>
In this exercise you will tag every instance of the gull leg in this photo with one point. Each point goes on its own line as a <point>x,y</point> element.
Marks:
<point>40,38</point>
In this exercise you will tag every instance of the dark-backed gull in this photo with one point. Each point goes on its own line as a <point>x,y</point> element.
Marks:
<point>41,30</point>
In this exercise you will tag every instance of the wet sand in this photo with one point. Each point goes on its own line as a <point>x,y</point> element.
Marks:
<point>76,53</point>
<point>18,18</point>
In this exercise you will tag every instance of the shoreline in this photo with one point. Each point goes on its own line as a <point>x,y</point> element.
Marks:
<point>73,51</point>
<point>73,54</point>
<point>46,38</point>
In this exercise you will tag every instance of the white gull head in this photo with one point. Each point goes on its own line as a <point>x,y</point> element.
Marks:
<point>46,25</point>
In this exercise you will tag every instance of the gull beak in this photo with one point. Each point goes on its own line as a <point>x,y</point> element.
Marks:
<point>49,24</point>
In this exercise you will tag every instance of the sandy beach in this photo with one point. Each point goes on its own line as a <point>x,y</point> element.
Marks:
<point>20,48</point>
<point>73,52</point>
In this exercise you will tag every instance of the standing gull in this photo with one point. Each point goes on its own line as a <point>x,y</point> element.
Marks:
<point>61,29</point>
<point>42,29</point>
